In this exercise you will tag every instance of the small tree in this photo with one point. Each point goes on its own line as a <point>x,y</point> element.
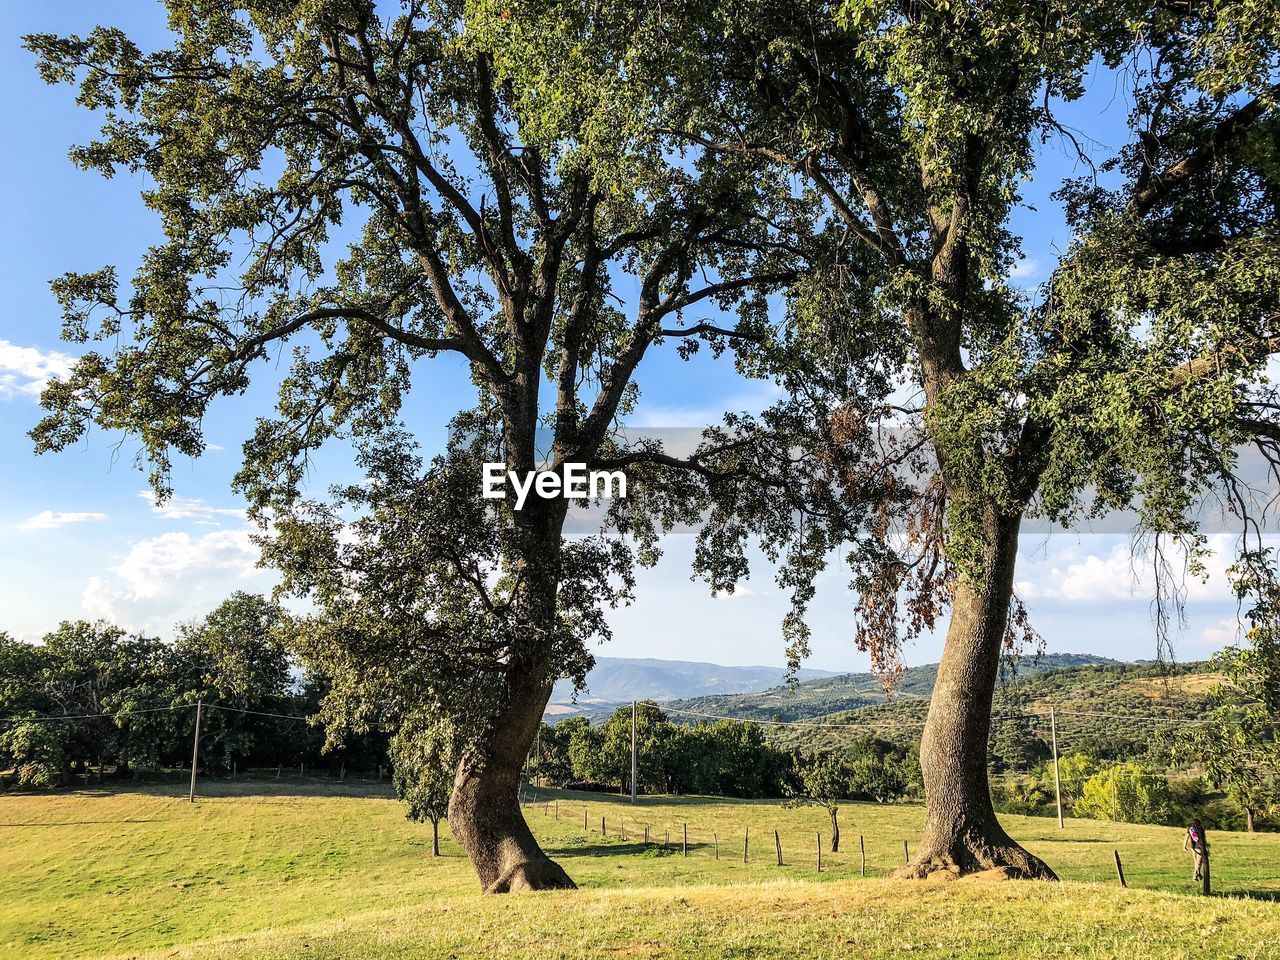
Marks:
<point>1074,770</point>
<point>821,780</point>
<point>1127,793</point>
<point>551,764</point>
<point>36,752</point>
<point>1238,748</point>
<point>424,758</point>
<point>585,744</point>
<point>234,658</point>
<point>652,731</point>
<point>1016,746</point>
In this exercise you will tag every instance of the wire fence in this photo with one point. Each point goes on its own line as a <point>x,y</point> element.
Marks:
<point>668,835</point>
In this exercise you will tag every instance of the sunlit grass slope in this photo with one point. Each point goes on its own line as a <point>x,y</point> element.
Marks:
<point>95,874</point>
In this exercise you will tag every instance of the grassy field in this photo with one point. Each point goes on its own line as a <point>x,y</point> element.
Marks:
<point>294,871</point>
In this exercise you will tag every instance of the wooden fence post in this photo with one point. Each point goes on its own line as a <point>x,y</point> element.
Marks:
<point>715,839</point>
<point>585,828</point>
<point>906,852</point>
<point>819,835</point>
<point>646,834</point>
<point>862,845</point>
<point>666,839</point>
<point>1119,868</point>
<point>684,842</point>
<point>195,752</point>
<point>602,830</point>
<point>777,843</point>
<point>746,838</point>
<point>557,809</point>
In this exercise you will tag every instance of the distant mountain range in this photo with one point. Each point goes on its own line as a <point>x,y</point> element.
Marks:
<point>756,692</point>
<point>616,680</point>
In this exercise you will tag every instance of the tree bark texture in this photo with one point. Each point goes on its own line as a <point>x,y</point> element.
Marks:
<point>484,810</point>
<point>961,833</point>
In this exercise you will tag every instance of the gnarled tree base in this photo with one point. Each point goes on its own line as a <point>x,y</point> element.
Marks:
<point>529,875</point>
<point>967,854</point>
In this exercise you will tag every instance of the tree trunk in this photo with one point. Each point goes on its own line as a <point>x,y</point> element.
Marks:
<point>435,836</point>
<point>484,811</point>
<point>1248,819</point>
<point>835,833</point>
<point>961,832</point>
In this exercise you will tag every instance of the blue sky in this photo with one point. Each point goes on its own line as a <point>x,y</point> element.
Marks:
<point>79,537</point>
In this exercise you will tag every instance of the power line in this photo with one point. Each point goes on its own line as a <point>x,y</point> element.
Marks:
<point>1126,716</point>
<point>257,713</point>
<point>50,718</point>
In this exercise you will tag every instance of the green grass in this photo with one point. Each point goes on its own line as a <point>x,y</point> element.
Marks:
<point>294,871</point>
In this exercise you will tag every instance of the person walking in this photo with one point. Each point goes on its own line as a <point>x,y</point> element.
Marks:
<point>1195,839</point>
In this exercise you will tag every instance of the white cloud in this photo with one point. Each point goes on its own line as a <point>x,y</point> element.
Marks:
<point>1073,575</point>
<point>739,591</point>
<point>189,508</point>
<point>1025,269</point>
<point>51,520</point>
<point>26,370</point>
<point>174,577</point>
<point>756,397</point>
<point>1089,580</point>
<point>1225,631</point>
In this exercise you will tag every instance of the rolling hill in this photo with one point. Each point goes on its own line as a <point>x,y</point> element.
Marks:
<point>1105,708</point>
<point>617,680</point>
<point>852,691</point>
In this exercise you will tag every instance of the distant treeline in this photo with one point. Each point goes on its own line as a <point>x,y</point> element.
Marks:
<point>93,701</point>
<point>727,758</point>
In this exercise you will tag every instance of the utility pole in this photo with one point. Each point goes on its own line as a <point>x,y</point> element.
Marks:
<point>1057,780</point>
<point>633,751</point>
<point>195,751</point>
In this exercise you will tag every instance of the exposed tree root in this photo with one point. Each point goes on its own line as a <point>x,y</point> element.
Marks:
<point>529,875</point>
<point>1003,861</point>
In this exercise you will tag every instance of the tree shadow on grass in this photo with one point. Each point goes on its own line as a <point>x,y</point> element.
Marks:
<point>538,796</point>
<point>637,848</point>
<point>81,823</point>
<point>214,788</point>
<point>1271,896</point>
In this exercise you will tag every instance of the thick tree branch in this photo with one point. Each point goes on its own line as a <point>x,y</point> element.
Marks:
<point>673,304</point>
<point>1210,364</point>
<point>699,329</point>
<point>1228,130</point>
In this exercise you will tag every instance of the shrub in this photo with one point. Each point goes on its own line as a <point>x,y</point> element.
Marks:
<point>35,751</point>
<point>1128,793</point>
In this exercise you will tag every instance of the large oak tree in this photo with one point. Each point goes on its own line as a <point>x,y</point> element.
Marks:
<point>1129,380</point>
<point>379,194</point>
